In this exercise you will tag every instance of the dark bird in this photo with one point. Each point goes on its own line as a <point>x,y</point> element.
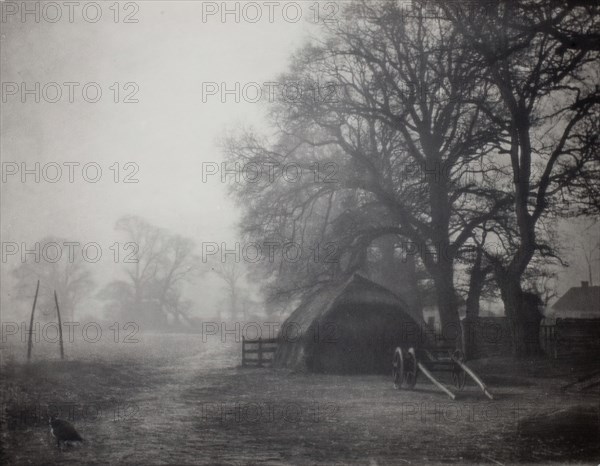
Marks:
<point>63,431</point>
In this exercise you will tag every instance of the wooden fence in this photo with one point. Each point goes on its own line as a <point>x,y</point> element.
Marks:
<point>492,336</point>
<point>261,352</point>
<point>548,339</point>
<point>571,337</point>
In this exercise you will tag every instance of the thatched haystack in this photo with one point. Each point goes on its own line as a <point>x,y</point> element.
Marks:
<point>350,327</point>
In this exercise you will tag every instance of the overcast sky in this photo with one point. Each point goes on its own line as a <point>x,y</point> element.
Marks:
<point>168,54</point>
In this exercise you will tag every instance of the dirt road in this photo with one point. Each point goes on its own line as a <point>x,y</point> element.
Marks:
<point>196,406</point>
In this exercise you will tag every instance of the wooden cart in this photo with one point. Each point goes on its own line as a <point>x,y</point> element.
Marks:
<point>408,363</point>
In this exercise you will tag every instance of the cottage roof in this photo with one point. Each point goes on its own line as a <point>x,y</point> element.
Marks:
<point>580,298</point>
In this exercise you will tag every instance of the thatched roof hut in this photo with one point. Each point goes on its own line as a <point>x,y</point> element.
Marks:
<point>350,327</point>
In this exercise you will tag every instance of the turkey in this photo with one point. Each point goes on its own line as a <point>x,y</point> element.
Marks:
<point>63,431</point>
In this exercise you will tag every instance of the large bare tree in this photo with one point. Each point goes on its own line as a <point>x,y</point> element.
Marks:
<point>397,113</point>
<point>546,104</point>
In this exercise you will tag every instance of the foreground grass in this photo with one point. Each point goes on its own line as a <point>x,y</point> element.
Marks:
<point>190,404</point>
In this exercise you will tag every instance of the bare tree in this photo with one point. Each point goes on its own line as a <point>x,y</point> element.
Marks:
<point>159,264</point>
<point>178,264</point>
<point>405,132</point>
<point>590,249</point>
<point>232,275</point>
<point>546,108</point>
<point>69,275</point>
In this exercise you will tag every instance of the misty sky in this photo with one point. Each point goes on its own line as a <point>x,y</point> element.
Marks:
<point>169,133</point>
<point>169,53</point>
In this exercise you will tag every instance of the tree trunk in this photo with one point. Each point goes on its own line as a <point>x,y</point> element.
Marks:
<point>399,276</point>
<point>443,266</point>
<point>414,297</point>
<point>523,314</point>
<point>447,304</point>
<point>476,282</point>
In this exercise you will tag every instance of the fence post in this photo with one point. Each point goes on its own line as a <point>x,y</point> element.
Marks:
<point>554,342</point>
<point>243,351</point>
<point>260,352</point>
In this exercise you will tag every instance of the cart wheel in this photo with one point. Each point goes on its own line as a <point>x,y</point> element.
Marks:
<point>410,368</point>
<point>398,368</point>
<point>459,377</point>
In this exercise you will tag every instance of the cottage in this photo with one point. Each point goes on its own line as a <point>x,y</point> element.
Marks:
<point>580,302</point>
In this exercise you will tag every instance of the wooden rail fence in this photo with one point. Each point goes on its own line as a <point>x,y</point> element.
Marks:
<point>570,337</point>
<point>264,349</point>
<point>548,340</point>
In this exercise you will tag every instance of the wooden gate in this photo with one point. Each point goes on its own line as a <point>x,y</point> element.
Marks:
<point>258,353</point>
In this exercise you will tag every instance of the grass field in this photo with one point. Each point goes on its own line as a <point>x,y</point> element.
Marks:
<point>171,399</point>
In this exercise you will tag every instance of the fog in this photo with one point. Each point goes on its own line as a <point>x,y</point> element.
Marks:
<point>168,133</point>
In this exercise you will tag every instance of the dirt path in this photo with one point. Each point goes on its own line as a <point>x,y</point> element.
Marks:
<point>200,408</point>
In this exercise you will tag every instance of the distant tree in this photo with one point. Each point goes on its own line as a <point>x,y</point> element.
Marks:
<point>177,265</point>
<point>232,275</point>
<point>391,265</point>
<point>119,299</point>
<point>545,286</point>
<point>162,262</point>
<point>589,246</point>
<point>70,276</point>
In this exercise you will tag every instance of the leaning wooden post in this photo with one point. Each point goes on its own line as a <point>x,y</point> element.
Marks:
<point>60,337</point>
<point>477,380</point>
<point>29,344</point>
<point>430,376</point>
